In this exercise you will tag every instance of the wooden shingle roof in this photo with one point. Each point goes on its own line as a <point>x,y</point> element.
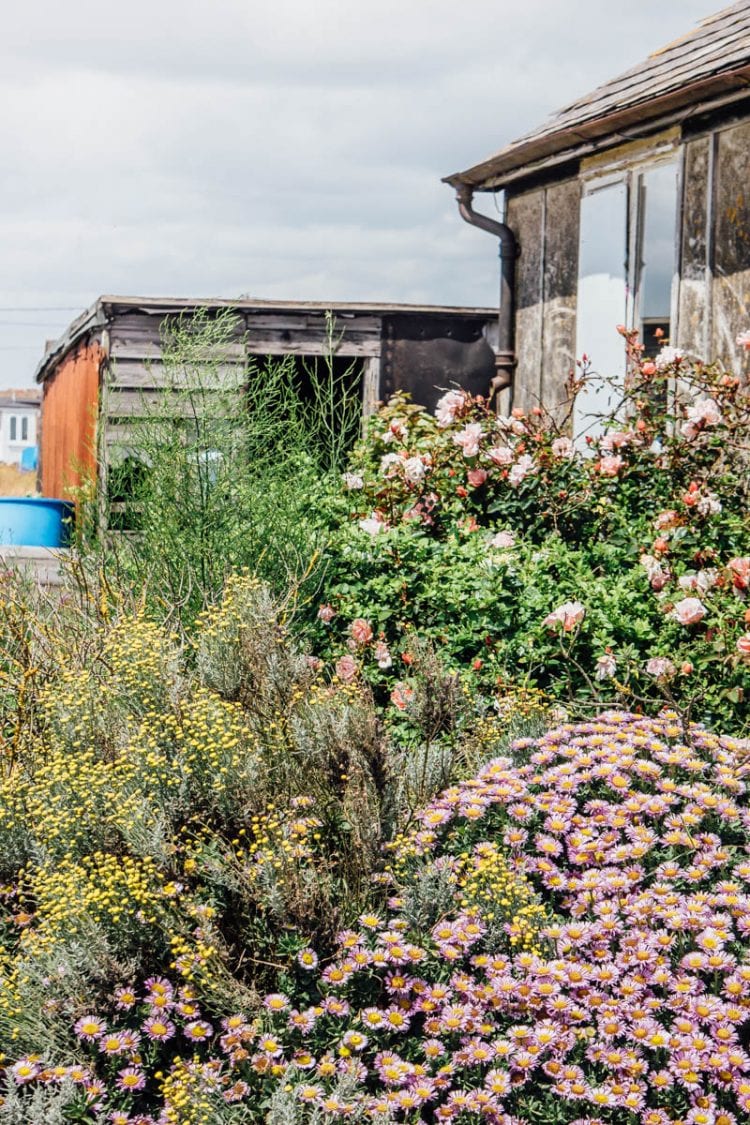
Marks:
<point>709,65</point>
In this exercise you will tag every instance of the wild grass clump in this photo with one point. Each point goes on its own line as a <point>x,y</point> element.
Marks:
<point>229,465</point>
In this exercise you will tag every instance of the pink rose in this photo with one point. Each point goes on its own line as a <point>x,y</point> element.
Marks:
<point>346,668</point>
<point>449,406</point>
<point>383,655</point>
<point>606,667</point>
<point>660,668</point>
<point>326,614</point>
<point>699,580</point>
<point>610,466</point>
<point>502,540</point>
<point>500,455</point>
<point>373,525</point>
<point>689,611</point>
<point>568,615</point>
<point>743,645</point>
<point>476,477</point>
<point>523,467</point>
<point>667,356</point>
<point>468,438</point>
<point>666,520</point>
<point>401,696</point>
<point>361,631</point>
<point>704,412</point>
<point>414,470</point>
<point>616,439</point>
<point>562,447</point>
<point>740,569</point>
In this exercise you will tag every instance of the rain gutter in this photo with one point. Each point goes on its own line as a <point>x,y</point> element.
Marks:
<point>505,358</point>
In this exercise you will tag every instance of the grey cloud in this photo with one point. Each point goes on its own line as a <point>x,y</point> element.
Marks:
<point>288,150</point>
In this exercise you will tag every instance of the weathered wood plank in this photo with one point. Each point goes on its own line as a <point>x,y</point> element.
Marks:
<point>136,404</point>
<point>693,296</point>
<point>139,374</point>
<point>370,387</point>
<point>526,220</point>
<point>560,282</point>
<point>136,327</point>
<point>313,342</point>
<point>731,277</point>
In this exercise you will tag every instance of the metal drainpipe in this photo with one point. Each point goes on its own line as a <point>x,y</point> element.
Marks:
<point>505,359</point>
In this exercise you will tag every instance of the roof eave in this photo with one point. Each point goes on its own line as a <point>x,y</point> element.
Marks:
<point>92,318</point>
<point>527,157</point>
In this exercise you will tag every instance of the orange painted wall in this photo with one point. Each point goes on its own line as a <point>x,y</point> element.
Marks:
<point>70,408</point>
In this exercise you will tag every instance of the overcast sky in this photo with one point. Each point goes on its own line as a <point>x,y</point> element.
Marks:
<point>287,149</point>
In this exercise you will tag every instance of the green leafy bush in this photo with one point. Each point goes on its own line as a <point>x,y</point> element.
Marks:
<point>611,571</point>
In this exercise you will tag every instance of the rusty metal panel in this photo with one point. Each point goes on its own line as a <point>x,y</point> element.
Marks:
<point>424,356</point>
<point>694,309</point>
<point>560,283</point>
<point>526,220</point>
<point>70,409</point>
<point>731,278</point>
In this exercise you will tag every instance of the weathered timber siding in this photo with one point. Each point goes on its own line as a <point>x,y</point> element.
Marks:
<point>545,223</point>
<point>694,305</point>
<point>731,267</point>
<point>69,422</point>
<point>526,220</point>
<point>562,221</point>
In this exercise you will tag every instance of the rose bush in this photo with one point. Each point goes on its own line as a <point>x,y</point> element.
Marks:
<point>475,531</point>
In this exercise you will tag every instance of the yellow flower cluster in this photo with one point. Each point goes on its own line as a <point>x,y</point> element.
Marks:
<point>206,745</point>
<point>225,617</point>
<point>141,656</point>
<point>73,800</point>
<point>185,1100</point>
<point>501,896</point>
<point>103,888</point>
<point>195,958</point>
<point>520,702</point>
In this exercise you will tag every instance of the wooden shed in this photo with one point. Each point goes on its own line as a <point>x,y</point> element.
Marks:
<point>108,368</point>
<point>629,206</point>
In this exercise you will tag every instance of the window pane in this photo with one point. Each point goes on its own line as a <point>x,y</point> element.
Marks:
<point>658,201</point>
<point>24,429</point>
<point>13,427</point>
<point>602,297</point>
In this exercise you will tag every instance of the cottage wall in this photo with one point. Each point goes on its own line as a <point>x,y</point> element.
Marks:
<point>545,221</point>
<point>712,286</point>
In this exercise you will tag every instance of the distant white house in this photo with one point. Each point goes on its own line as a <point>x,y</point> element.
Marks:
<point>19,418</point>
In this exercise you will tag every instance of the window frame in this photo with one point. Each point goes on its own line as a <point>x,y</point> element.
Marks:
<point>628,165</point>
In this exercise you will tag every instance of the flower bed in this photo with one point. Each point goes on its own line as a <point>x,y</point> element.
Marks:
<point>599,974</point>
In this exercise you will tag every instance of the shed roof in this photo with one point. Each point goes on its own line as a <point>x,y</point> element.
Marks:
<point>26,398</point>
<point>708,65</point>
<point>105,308</point>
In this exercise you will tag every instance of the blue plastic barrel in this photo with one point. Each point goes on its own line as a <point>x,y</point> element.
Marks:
<point>35,521</point>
